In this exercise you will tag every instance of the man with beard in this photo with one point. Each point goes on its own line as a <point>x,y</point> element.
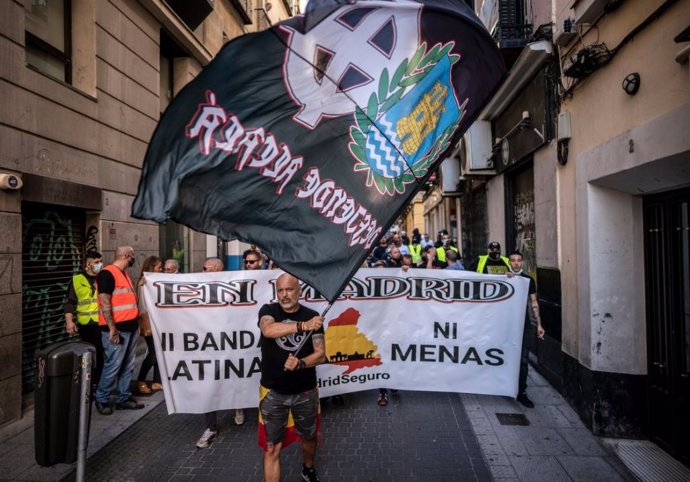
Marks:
<point>288,377</point>
<point>118,317</point>
<point>491,263</point>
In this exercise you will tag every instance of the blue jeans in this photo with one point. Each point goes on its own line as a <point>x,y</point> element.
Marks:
<point>118,366</point>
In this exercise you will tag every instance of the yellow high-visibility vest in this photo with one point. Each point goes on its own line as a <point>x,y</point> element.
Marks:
<point>483,259</point>
<point>87,299</point>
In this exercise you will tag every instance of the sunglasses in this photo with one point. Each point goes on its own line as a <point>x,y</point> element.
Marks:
<point>205,268</point>
<point>251,261</point>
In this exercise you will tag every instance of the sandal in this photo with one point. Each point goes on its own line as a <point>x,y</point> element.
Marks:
<point>143,388</point>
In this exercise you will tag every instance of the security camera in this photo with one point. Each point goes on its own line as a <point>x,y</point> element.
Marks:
<point>10,182</point>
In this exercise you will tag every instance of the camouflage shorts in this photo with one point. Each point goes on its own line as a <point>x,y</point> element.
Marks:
<point>274,410</point>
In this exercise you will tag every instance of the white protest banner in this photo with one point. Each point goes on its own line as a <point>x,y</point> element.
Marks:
<point>432,330</point>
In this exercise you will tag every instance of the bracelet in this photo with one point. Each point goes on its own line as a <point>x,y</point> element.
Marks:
<point>300,364</point>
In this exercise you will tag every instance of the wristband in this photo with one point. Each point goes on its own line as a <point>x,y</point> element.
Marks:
<point>301,364</point>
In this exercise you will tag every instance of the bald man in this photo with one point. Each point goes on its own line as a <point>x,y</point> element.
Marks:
<point>118,317</point>
<point>288,375</point>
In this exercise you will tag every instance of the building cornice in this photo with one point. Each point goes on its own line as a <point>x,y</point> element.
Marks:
<point>178,30</point>
<point>532,58</point>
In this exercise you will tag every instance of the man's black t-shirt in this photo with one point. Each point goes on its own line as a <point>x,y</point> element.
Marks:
<point>532,290</point>
<point>274,352</point>
<point>532,284</point>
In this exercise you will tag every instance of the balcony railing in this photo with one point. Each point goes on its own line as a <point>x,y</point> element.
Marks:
<point>512,35</point>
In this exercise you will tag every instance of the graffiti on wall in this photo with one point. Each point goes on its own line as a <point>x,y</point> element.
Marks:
<point>51,256</point>
<point>524,221</point>
<point>91,239</point>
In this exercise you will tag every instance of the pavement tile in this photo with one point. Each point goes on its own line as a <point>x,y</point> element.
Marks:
<point>539,468</point>
<point>582,441</point>
<point>502,471</point>
<point>546,416</point>
<point>543,441</point>
<point>589,469</point>
<point>544,395</point>
<point>511,441</point>
<point>490,444</point>
<point>569,414</point>
<point>497,459</point>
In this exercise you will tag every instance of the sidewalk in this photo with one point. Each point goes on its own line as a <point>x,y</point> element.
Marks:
<point>17,456</point>
<point>554,445</point>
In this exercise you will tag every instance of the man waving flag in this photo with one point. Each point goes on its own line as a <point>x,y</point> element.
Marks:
<point>310,137</point>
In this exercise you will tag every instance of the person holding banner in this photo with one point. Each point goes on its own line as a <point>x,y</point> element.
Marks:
<point>171,266</point>
<point>288,395</point>
<point>516,260</point>
<point>251,261</point>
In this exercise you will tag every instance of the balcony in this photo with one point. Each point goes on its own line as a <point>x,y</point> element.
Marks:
<point>512,28</point>
<point>512,36</point>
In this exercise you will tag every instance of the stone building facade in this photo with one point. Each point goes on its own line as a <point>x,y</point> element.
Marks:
<point>82,86</point>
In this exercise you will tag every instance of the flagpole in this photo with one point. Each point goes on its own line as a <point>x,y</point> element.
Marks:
<point>309,333</point>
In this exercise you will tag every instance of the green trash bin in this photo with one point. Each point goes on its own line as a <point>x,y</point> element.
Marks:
<point>58,386</point>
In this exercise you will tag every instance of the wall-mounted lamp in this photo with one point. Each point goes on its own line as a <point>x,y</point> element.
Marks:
<point>631,83</point>
<point>10,182</point>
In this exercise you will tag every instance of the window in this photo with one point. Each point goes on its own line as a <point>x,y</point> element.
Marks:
<point>48,46</point>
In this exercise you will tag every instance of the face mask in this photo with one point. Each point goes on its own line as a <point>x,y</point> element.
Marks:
<point>495,255</point>
<point>97,267</point>
<point>131,262</point>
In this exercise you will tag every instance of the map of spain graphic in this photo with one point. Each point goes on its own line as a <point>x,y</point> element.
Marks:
<point>347,346</point>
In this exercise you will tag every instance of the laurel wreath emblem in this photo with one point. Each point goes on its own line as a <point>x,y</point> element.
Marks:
<point>390,90</point>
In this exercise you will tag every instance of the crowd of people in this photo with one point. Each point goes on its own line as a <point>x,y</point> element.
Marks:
<point>398,250</point>
<point>104,307</point>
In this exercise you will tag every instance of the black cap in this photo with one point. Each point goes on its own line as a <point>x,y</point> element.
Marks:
<point>494,245</point>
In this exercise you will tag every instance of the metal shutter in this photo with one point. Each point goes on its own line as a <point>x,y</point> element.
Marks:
<point>52,249</point>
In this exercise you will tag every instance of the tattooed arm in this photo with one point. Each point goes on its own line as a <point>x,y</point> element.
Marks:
<point>106,307</point>
<point>534,306</point>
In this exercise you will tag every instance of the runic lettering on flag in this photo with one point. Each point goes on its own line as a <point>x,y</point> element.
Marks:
<point>311,137</point>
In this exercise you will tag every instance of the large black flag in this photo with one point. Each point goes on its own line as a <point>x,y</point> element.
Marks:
<point>310,137</point>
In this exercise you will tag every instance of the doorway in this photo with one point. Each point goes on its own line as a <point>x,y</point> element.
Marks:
<point>667,281</point>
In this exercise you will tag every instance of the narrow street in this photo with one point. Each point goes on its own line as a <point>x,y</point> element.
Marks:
<point>417,437</point>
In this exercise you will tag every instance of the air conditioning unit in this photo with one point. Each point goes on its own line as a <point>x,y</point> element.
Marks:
<point>450,175</point>
<point>566,33</point>
<point>475,151</point>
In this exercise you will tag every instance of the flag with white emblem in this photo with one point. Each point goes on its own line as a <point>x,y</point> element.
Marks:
<point>311,137</point>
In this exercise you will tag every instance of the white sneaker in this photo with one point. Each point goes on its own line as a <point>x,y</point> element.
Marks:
<point>239,416</point>
<point>206,439</point>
